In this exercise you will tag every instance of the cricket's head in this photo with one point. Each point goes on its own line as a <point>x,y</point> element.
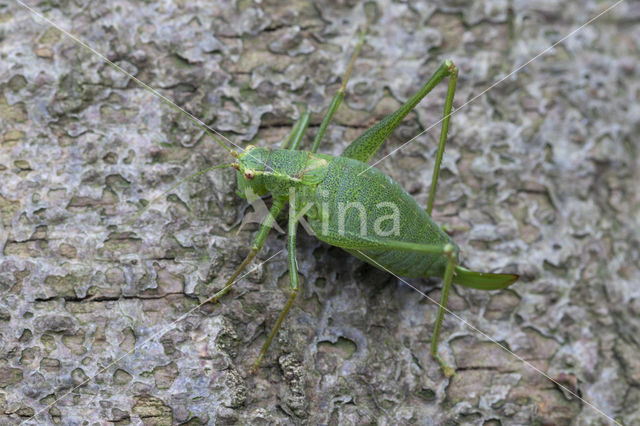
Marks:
<point>250,165</point>
<point>263,170</point>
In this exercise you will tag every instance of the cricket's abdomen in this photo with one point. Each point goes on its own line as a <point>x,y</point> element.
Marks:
<point>358,208</point>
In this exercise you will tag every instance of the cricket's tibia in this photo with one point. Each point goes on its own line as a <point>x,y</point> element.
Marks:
<point>483,280</point>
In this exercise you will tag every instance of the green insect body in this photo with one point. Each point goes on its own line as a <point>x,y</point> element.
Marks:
<point>343,201</point>
<point>351,205</point>
<point>346,203</point>
<point>328,189</point>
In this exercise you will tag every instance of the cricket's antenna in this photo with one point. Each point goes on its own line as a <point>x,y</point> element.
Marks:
<point>217,136</point>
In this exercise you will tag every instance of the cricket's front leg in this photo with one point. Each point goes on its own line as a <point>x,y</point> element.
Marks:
<point>294,284</point>
<point>337,98</point>
<point>296,134</point>
<point>256,245</point>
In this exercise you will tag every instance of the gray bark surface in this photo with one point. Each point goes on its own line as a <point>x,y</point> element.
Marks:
<point>100,319</point>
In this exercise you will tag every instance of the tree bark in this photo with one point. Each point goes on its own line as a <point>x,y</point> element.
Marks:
<point>102,313</point>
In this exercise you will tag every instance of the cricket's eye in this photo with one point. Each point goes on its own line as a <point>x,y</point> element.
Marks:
<point>249,174</point>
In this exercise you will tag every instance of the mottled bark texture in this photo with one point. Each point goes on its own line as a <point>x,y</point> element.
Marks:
<point>540,178</point>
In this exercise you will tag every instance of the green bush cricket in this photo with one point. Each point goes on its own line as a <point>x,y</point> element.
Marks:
<point>354,206</point>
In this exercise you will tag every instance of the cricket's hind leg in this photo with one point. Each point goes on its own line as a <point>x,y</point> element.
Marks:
<point>444,130</point>
<point>448,251</point>
<point>368,143</point>
<point>442,306</point>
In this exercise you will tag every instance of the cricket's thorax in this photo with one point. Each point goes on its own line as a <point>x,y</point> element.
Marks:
<point>280,171</point>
